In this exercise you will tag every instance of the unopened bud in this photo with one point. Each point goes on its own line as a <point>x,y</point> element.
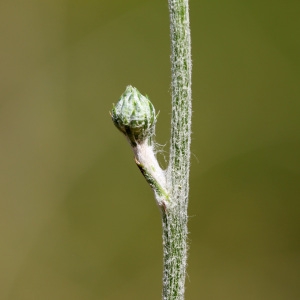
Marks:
<point>134,115</point>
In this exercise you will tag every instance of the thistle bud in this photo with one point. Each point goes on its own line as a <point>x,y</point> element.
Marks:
<point>134,115</point>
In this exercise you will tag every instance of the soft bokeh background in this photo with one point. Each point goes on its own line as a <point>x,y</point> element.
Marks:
<point>77,220</point>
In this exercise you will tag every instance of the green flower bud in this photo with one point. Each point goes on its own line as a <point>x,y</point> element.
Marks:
<point>134,115</point>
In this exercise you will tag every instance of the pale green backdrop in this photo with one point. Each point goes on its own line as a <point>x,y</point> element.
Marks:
<point>77,220</point>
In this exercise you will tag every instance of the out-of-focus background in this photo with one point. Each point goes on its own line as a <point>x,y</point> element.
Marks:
<point>77,220</point>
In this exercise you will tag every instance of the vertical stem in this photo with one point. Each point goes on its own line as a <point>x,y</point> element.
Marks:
<point>175,219</point>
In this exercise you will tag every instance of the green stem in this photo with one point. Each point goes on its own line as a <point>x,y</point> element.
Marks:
<point>175,220</point>
<point>134,115</point>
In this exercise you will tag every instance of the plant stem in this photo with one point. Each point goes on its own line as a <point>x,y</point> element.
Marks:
<point>175,219</point>
<point>134,115</point>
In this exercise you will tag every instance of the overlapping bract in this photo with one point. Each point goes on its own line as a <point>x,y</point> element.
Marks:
<point>134,115</point>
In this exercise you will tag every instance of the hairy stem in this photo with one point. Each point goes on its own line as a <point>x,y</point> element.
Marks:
<point>175,220</point>
<point>134,115</point>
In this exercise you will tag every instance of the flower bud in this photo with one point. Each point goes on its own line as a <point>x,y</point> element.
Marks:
<point>134,115</point>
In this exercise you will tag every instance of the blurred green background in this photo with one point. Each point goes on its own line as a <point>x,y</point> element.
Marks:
<point>77,220</point>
